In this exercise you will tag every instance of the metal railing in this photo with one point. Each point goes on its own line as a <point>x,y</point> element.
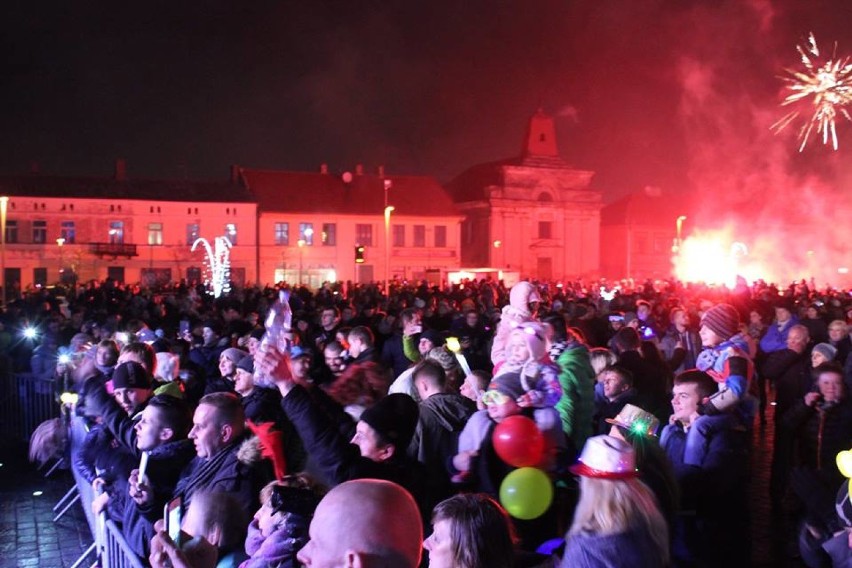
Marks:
<point>26,400</point>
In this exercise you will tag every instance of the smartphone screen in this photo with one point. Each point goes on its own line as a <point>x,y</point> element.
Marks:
<point>184,327</point>
<point>171,517</point>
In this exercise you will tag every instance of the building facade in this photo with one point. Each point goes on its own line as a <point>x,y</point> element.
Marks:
<point>318,226</point>
<point>75,228</point>
<point>535,215</point>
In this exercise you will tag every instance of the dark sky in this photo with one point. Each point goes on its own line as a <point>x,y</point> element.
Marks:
<point>647,93</point>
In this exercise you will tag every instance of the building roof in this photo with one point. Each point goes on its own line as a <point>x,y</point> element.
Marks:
<point>37,185</point>
<point>649,207</point>
<point>309,192</point>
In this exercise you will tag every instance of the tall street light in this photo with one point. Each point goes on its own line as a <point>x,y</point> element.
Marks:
<point>4,202</point>
<point>59,243</point>
<point>678,240</point>
<point>301,243</point>
<point>388,210</point>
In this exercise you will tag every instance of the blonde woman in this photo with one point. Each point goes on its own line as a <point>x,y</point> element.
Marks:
<point>617,522</point>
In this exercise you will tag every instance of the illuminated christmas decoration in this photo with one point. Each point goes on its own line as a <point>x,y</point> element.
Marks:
<point>218,272</point>
<point>822,90</point>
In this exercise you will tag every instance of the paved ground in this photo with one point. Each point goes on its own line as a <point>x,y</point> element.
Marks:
<point>29,537</point>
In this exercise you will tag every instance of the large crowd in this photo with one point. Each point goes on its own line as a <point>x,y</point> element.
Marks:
<point>549,424</point>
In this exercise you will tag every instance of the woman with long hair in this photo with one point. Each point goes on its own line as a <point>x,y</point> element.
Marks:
<point>617,522</point>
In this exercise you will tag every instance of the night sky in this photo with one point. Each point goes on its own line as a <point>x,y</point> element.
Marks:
<point>646,93</point>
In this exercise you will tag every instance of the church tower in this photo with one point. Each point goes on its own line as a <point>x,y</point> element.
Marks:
<point>541,137</point>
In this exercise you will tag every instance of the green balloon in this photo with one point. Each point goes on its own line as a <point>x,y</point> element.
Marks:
<point>526,493</point>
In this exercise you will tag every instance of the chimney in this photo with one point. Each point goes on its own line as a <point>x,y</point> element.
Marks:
<point>359,169</point>
<point>235,174</point>
<point>381,171</point>
<point>324,168</point>
<point>120,169</point>
<point>34,169</point>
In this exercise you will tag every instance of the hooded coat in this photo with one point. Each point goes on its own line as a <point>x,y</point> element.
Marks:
<point>436,439</point>
<point>516,312</point>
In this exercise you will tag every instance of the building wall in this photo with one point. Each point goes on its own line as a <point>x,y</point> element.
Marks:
<point>92,218</point>
<point>315,263</point>
<point>636,251</point>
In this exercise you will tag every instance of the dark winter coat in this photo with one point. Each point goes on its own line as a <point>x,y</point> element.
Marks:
<point>436,439</point>
<point>628,550</point>
<point>264,405</point>
<point>821,433</point>
<point>791,373</point>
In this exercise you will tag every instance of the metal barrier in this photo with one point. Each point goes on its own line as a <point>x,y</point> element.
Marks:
<point>109,544</point>
<point>26,400</point>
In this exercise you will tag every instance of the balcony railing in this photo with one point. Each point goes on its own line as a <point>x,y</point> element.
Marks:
<point>113,249</point>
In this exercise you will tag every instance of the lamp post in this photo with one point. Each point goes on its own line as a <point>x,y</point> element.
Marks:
<point>60,242</point>
<point>388,210</point>
<point>301,243</point>
<point>679,226</point>
<point>4,202</point>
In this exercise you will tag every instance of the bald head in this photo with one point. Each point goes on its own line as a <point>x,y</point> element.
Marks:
<point>798,338</point>
<point>365,523</point>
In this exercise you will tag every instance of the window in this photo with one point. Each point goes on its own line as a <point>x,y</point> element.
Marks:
<point>40,276</point>
<point>40,232</point>
<point>440,236</point>
<point>545,230</point>
<point>231,232</point>
<point>329,234</point>
<point>67,232</point>
<point>420,235</point>
<point>282,233</point>
<point>155,234</point>
<point>399,235</point>
<point>364,234</point>
<point>116,232</point>
<point>306,233</point>
<point>192,233</point>
<point>12,231</point>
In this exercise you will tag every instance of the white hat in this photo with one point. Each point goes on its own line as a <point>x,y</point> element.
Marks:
<point>606,457</point>
<point>636,420</point>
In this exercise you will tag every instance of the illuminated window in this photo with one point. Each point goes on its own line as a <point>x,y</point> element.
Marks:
<point>39,232</point>
<point>231,232</point>
<point>68,232</point>
<point>329,234</point>
<point>282,233</point>
<point>364,234</point>
<point>155,234</point>
<point>306,233</point>
<point>116,232</point>
<point>440,236</point>
<point>12,231</point>
<point>399,235</point>
<point>420,235</point>
<point>192,233</point>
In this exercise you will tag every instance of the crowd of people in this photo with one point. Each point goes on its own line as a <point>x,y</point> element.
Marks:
<point>381,416</point>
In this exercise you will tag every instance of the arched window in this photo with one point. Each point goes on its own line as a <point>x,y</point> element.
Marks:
<point>545,197</point>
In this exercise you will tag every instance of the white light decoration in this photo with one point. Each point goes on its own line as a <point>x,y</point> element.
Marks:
<point>218,264</point>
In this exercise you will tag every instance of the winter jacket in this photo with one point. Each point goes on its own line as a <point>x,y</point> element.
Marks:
<point>516,312</point>
<point>683,358</point>
<point>627,549</point>
<point>264,405</point>
<point>165,465</point>
<point>393,356</point>
<point>336,459</point>
<point>776,337</point>
<point>436,439</point>
<point>649,381</point>
<point>280,547</point>
<point>791,373</point>
<point>576,406</point>
<point>822,432</point>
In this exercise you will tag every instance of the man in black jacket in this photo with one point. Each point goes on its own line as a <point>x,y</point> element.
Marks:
<point>442,418</point>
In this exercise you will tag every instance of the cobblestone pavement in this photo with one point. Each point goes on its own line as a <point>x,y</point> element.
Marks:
<point>29,537</point>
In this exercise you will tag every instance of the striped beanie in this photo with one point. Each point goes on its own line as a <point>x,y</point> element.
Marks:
<point>723,320</point>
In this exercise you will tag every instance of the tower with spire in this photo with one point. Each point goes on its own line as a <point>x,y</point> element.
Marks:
<point>533,214</point>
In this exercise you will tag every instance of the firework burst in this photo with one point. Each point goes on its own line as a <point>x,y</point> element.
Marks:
<point>821,91</point>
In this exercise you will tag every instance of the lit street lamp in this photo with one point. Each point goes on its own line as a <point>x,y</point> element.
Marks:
<point>301,243</point>
<point>60,242</point>
<point>678,241</point>
<point>388,210</point>
<point>4,202</point>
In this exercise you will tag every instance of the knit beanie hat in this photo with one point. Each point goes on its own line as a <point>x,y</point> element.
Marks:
<point>723,320</point>
<point>394,417</point>
<point>826,350</point>
<point>533,334</point>
<point>246,364</point>
<point>234,354</point>
<point>131,375</point>
<point>444,357</point>
<point>508,384</point>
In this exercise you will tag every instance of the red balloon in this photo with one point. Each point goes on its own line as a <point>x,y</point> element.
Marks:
<point>518,441</point>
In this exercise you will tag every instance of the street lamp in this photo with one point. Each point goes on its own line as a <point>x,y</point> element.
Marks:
<point>4,202</point>
<point>388,210</point>
<point>678,241</point>
<point>301,243</point>
<point>60,242</point>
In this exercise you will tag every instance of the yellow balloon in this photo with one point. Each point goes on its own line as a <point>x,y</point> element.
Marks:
<point>844,463</point>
